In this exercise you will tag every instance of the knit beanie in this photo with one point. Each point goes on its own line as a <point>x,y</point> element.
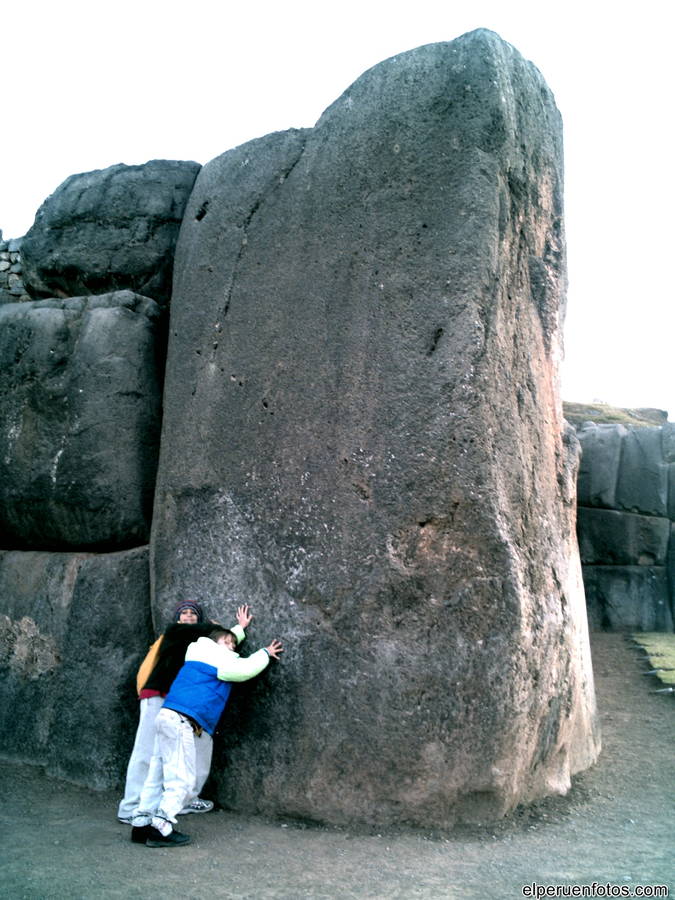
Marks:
<point>188,604</point>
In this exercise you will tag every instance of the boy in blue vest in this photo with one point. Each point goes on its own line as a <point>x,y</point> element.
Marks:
<point>158,670</point>
<point>195,702</point>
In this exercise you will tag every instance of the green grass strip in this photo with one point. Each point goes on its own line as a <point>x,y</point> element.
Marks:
<point>660,648</point>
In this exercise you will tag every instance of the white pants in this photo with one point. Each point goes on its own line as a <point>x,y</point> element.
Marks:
<point>139,763</point>
<point>203,754</point>
<point>172,771</point>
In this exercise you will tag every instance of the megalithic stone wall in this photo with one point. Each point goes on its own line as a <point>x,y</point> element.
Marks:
<point>626,496</point>
<point>363,438</point>
<point>109,230</point>
<point>80,405</point>
<point>80,408</point>
<point>73,628</point>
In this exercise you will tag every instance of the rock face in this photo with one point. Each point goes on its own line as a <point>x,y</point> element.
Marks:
<point>73,629</point>
<point>108,230</point>
<point>626,497</point>
<point>628,598</point>
<point>80,402</point>
<point>599,465</point>
<point>363,438</point>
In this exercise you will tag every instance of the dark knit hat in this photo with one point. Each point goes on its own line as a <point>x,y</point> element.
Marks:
<point>188,604</point>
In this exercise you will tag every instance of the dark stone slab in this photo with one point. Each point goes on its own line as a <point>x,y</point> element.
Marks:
<point>628,598</point>
<point>668,442</point>
<point>599,466</point>
<point>108,230</point>
<point>643,475</point>
<point>671,490</point>
<point>73,630</point>
<point>671,570</point>
<point>610,537</point>
<point>362,440</point>
<point>80,405</point>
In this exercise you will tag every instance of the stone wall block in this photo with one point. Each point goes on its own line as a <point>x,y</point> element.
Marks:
<point>668,442</point>
<point>362,431</point>
<point>80,401</point>
<point>73,629</point>
<point>626,598</point>
<point>671,570</point>
<point>599,466</point>
<point>643,475</point>
<point>612,538</point>
<point>108,230</point>
<point>671,491</point>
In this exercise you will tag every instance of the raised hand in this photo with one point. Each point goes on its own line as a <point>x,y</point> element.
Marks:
<point>244,615</point>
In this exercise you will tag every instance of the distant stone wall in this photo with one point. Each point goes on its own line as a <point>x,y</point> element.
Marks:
<point>625,525</point>
<point>80,413</point>
<point>12,288</point>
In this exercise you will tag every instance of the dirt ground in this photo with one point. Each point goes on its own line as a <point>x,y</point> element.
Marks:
<point>616,826</point>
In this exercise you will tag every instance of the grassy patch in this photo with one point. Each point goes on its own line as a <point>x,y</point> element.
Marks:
<point>603,414</point>
<point>660,648</point>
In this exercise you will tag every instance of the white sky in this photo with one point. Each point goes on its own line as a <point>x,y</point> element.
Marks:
<point>90,84</point>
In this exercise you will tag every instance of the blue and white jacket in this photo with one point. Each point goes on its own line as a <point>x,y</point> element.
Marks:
<point>202,687</point>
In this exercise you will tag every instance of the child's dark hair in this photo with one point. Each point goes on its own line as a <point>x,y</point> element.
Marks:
<point>218,632</point>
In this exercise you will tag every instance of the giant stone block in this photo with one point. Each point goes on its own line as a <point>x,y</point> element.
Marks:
<point>668,442</point>
<point>80,406</point>
<point>614,538</point>
<point>73,629</point>
<point>671,570</point>
<point>642,485</point>
<point>671,490</point>
<point>625,598</point>
<point>363,439</point>
<point>108,230</point>
<point>599,466</point>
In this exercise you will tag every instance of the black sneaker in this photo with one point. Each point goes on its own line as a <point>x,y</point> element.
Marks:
<point>139,833</point>
<point>155,838</point>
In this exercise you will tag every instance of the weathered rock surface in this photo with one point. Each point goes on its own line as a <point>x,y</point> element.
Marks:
<point>642,483</point>
<point>611,537</point>
<point>80,406</point>
<point>668,442</point>
<point>363,439</point>
<point>624,598</point>
<point>108,230</point>
<point>629,469</point>
<point>599,466</point>
<point>670,570</point>
<point>73,629</point>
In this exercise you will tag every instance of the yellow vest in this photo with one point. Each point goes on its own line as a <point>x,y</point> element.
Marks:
<point>147,665</point>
